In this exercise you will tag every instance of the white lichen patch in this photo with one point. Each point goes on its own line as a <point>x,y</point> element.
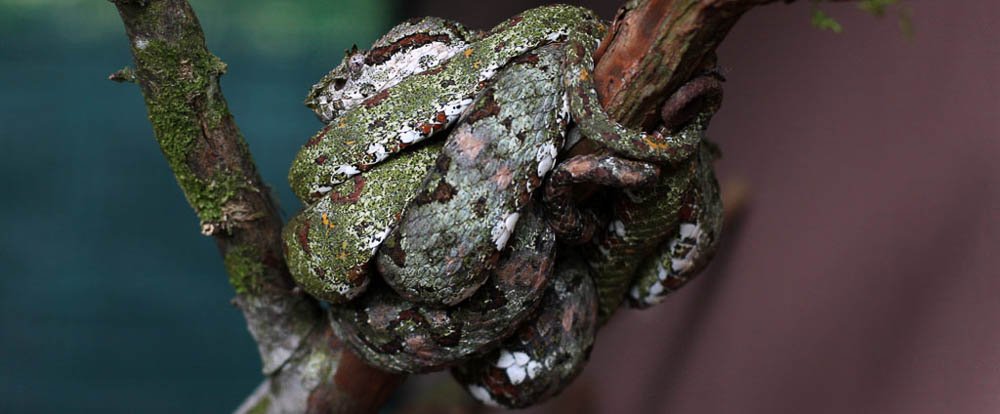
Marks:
<point>141,43</point>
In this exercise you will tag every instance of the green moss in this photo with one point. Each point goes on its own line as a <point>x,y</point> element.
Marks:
<point>261,407</point>
<point>245,269</point>
<point>183,102</point>
<point>320,365</point>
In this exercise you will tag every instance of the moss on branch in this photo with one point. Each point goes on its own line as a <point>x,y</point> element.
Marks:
<point>184,104</point>
<point>179,79</point>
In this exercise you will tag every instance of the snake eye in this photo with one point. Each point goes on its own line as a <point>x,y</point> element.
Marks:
<point>339,83</point>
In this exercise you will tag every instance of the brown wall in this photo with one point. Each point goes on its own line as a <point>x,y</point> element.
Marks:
<point>864,275</point>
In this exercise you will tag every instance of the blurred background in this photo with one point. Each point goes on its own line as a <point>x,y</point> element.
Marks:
<point>861,276</point>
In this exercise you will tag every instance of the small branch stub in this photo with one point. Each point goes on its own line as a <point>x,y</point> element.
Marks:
<point>126,74</point>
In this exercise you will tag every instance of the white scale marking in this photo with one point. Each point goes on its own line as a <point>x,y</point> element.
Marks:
<point>482,395</point>
<point>378,150</point>
<point>517,365</point>
<point>687,244</point>
<point>346,170</point>
<point>502,230</point>
<point>505,360</point>
<point>546,157</point>
<point>619,228</point>
<point>377,239</point>
<point>387,74</point>
<point>409,135</point>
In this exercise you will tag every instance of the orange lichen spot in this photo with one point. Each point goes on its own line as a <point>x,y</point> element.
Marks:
<point>476,64</point>
<point>341,124</point>
<point>467,52</point>
<point>655,144</point>
<point>326,221</point>
<point>584,74</point>
<point>350,142</point>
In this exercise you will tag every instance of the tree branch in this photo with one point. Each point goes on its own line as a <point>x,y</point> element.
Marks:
<point>307,368</point>
<point>653,48</point>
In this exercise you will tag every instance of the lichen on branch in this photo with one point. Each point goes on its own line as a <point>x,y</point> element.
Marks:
<point>179,79</point>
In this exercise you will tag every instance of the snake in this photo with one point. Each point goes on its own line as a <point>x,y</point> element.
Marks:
<point>424,227</point>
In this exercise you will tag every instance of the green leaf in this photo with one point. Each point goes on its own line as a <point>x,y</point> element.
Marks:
<point>825,22</point>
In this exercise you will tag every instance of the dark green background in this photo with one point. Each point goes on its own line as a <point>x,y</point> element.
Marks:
<point>110,300</point>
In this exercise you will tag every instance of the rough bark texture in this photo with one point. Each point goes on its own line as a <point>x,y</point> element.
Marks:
<point>307,369</point>
<point>653,48</point>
